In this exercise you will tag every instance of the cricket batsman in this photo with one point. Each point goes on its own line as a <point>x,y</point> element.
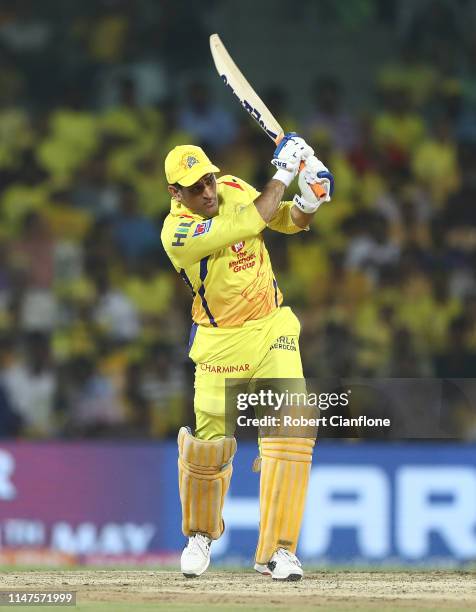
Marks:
<point>213,236</point>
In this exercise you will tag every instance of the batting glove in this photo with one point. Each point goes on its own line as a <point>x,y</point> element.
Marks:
<point>314,172</point>
<point>288,155</point>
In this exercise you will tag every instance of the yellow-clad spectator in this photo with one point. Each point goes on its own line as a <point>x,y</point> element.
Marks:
<point>373,328</point>
<point>107,35</point>
<point>302,251</point>
<point>65,221</point>
<point>343,287</point>
<point>136,130</point>
<point>435,162</point>
<point>150,185</point>
<point>16,135</point>
<point>127,119</point>
<point>418,78</point>
<point>398,126</point>
<point>427,311</point>
<point>149,290</point>
<point>18,199</point>
<point>73,137</point>
<point>78,335</point>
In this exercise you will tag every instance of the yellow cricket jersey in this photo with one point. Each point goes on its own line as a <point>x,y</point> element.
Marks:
<point>224,260</point>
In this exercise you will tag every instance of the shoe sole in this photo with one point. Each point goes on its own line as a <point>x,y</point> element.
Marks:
<point>197,575</point>
<point>290,578</point>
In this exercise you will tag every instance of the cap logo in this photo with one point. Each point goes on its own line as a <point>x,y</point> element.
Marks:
<point>188,161</point>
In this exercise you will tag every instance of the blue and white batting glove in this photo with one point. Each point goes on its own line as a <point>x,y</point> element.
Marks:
<point>314,172</point>
<point>288,155</point>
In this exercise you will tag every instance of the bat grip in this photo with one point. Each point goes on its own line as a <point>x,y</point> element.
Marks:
<point>318,190</point>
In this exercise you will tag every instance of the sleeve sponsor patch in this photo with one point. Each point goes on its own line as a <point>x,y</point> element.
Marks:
<point>202,228</point>
<point>181,232</point>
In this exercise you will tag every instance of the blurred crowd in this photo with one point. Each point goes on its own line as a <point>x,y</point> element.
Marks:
<point>93,319</point>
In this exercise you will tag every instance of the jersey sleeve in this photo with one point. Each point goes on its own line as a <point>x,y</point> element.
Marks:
<point>187,242</point>
<point>282,220</point>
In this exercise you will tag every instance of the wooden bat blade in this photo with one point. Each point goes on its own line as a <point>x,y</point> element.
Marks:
<point>233,78</point>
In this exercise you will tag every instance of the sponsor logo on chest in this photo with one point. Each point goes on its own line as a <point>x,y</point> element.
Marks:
<point>244,260</point>
<point>239,246</point>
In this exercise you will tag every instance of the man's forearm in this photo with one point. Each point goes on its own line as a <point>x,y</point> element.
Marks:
<point>268,202</point>
<point>301,219</point>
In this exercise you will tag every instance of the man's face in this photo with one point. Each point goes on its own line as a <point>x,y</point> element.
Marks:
<point>200,198</point>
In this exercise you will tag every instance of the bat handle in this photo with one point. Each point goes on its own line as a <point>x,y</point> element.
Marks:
<point>317,189</point>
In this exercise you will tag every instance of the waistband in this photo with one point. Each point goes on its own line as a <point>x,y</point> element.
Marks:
<point>268,317</point>
<point>253,323</point>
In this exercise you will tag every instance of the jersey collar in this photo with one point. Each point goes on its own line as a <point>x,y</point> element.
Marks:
<point>180,210</point>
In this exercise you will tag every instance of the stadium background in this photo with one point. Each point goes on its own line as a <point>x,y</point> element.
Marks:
<point>94,322</point>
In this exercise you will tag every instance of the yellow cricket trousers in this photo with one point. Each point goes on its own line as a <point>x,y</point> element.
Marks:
<point>264,348</point>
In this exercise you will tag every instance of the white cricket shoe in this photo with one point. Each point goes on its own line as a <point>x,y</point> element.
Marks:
<point>195,556</point>
<point>283,565</point>
<point>262,568</point>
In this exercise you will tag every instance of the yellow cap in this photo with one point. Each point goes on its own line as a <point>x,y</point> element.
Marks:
<point>186,164</point>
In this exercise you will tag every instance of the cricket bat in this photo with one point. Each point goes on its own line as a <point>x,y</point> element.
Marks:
<point>232,77</point>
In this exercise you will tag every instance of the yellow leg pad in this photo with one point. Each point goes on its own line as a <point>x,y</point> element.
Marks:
<point>285,468</point>
<point>204,468</point>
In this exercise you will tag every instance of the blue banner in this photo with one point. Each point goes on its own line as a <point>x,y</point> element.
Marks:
<point>411,503</point>
<point>367,503</point>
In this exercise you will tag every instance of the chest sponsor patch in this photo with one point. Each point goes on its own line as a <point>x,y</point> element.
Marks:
<point>243,261</point>
<point>202,228</point>
<point>236,248</point>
